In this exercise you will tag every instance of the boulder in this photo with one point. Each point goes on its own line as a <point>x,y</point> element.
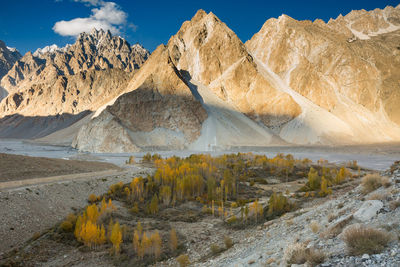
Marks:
<point>368,210</point>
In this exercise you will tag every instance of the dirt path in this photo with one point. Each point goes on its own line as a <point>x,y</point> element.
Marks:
<point>60,178</point>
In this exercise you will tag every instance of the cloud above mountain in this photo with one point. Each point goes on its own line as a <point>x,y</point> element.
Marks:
<point>105,15</point>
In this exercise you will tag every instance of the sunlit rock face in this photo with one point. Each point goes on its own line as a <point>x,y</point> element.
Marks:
<point>72,79</point>
<point>347,86</point>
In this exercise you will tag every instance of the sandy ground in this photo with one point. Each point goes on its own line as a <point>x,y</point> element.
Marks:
<point>17,167</point>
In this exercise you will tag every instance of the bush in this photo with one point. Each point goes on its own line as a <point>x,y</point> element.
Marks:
<point>183,260</point>
<point>66,226</point>
<point>215,249</point>
<point>92,198</point>
<point>71,218</point>
<point>315,256</point>
<point>232,220</point>
<point>371,182</point>
<point>131,160</point>
<point>228,242</point>
<point>365,240</point>
<point>314,226</point>
<point>297,253</point>
<point>278,204</point>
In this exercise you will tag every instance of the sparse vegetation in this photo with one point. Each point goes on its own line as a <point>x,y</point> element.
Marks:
<point>371,182</point>
<point>216,249</point>
<point>297,253</point>
<point>362,239</point>
<point>189,189</point>
<point>131,160</point>
<point>228,242</point>
<point>394,204</point>
<point>92,198</point>
<point>314,226</point>
<point>183,260</point>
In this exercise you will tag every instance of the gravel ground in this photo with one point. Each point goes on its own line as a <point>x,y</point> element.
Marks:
<point>35,208</point>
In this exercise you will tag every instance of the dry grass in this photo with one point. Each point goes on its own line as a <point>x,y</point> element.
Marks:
<point>394,204</point>
<point>373,181</point>
<point>332,217</point>
<point>378,196</point>
<point>315,256</point>
<point>362,239</point>
<point>336,229</point>
<point>269,261</point>
<point>314,226</point>
<point>297,253</point>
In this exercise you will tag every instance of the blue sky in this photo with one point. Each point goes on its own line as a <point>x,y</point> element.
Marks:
<point>28,25</point>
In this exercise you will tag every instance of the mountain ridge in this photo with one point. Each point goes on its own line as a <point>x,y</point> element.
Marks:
<point>293,82</point>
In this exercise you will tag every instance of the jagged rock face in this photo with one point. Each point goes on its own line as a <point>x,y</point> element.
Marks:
<point>161,112</point>
<point>82,76</point>
<point>72,94</point>
<point>8,56</point>
<point>213,55</point>
<point>363,24</point>
<point>348,82</point>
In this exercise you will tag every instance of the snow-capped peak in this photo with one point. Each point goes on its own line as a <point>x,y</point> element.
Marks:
<point>12,49</point>
<point>47,49</point>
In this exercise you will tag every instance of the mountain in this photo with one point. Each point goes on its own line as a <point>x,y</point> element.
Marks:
<point>74,80</point>
<point>347,88</point>
<point>298,82</point>
<point>293,82</point>
<point>160,112</point>
<point>8,56</point>
<point>210,59</point>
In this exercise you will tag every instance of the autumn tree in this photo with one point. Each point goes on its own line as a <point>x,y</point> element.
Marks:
<point>173,240</point>
<point>314,181</point>
<point>154,205</point>
<point>116,237</point>
<point>156,244</point>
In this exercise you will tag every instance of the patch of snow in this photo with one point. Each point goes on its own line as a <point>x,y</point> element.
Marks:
<point>47,49</point>
<point>12,49</point>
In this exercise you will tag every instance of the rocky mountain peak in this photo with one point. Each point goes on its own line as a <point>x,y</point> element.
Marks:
<point>64,78</point>
<point>8,56</point>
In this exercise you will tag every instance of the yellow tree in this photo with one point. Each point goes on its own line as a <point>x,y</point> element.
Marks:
<point>136,242</point>
<point>116,237</point>
<point>156,244</point>
<point>78,228</point>
<point>154,205</point>
<point>173,240</point>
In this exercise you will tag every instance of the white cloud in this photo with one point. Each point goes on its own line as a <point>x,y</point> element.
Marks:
<point>110,12</point>
<point>105,15</point>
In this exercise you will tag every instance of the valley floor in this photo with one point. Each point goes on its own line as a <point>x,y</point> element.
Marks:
<point>375,156</point>
<point>33,208</point>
